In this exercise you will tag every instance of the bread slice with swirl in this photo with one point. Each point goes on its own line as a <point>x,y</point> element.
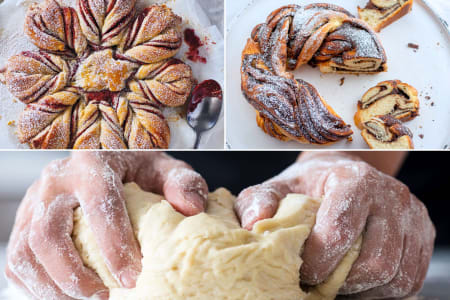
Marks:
<point>381,13</point>
<point>386,132</point>
<point>391,97</point>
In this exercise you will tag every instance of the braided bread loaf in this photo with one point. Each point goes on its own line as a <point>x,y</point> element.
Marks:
<point>101,76</point>
<point>322,35</point>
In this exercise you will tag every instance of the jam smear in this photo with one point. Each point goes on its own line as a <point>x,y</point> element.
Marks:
<point>100,96</point>
<point>207,88</point>
<point>194,43</point>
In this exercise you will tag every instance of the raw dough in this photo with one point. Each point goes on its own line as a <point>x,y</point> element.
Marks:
<point>209,256</point>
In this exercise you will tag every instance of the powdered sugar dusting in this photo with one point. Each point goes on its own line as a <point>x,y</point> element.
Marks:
<point>364,42</point>
<point>294,105</point>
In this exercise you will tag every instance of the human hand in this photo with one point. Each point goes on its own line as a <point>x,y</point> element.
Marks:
<point>42,259</point>
<point>398,235</point>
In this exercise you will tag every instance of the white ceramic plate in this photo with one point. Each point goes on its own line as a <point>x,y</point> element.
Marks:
<point>427,69</point>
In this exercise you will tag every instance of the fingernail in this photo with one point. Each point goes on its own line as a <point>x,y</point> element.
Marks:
<point>102,295</point>
<point>197,203</point>
<point>128,278</point>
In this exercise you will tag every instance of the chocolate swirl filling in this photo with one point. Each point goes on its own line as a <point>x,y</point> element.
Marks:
<point>292,104</point>
<point>322,35</point>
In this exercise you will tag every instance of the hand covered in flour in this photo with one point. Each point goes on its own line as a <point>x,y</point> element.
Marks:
<point>398,235</point>
<point>42,258</point>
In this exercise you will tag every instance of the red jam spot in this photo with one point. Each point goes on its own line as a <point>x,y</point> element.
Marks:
<point>194,43</point>
<point>100,96</point>
<point>208,88</point>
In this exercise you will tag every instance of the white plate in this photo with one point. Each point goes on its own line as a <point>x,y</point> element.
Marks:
<point>428,70</point>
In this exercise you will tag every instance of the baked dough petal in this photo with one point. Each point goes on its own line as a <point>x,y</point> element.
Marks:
<point>31,75</point>
<point>143,122</point>
<point>148,41</point>
<point>55,29</point>
<point>167,82</point>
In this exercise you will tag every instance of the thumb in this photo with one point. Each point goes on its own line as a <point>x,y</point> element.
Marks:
<point>259,202</point>
<point>183,188</point>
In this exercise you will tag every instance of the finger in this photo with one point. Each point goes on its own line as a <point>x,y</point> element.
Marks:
<point>31,276</point>
<point>427,235</point>
<point>183,188</point>
<point>51,242</point>
<point>186,191</point>
<point>13,279</point>
<point>22,266</point>
<point>340,220</point>
<point>117,161</point>
<point>404,281</point>
<point>99,189</point>
<point>259,202</point>
<point>383,246</point>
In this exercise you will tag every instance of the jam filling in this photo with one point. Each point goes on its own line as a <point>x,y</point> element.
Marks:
<point>194,43</point>
<point>207,88</point>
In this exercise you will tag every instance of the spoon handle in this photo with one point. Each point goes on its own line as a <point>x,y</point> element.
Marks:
<point>197,140</point>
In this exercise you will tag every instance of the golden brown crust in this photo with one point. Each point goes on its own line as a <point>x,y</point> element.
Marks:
<point>271,129</point>
<point>386,16</point>
<point>101,76</point>
<point>104,22</point>
<point>154,36</point>
<point>167,82</point>
<point>46,123</point>
<point>55,29</point>
<point>320,34</point>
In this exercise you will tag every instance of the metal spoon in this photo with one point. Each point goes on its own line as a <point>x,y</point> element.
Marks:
<point>204,108</point>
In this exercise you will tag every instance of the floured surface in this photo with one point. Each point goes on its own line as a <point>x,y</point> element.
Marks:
<point>427,70</point>
<point>13,41</point>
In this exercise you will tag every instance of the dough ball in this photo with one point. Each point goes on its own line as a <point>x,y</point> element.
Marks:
<point>209,256</point>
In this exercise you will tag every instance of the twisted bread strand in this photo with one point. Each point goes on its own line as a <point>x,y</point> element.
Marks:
<point>32,75</point>
<point>104,22</point>
<point>98,127</point>
<point>168,82</point>
<point>46,123</point>
<point>147,41</point>
<point>143,123</point>
<point>55,29</point>
<point>294,107</point>
<point>320,34</point>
